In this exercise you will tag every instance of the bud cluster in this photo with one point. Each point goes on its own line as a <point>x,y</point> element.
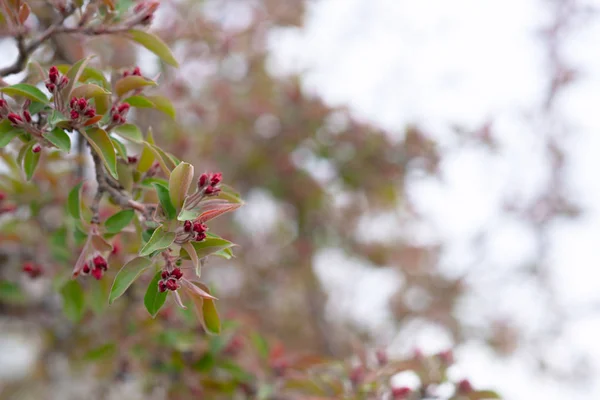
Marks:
<point>170,280</point>
<point>207,183</point>
<point>118,113</point>
<point>81,110</point>
<point>55,81</point>
<point>96,267</point>
<point>32,269</point>
<point>134,72</point>
<point>196,227</point>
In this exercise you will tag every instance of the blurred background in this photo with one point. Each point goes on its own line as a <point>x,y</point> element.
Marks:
<point>418,176</point>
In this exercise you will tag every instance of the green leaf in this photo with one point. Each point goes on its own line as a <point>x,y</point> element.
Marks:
<point>97,294</point>
<point>101,352</point>
<point>56,117</point>
<point>154,299</point>
<point>120,148</point>
<point>88,91</point>
<point>146,159</point>
<point>154,44</point>
<point>74,74</point>
<point>10,292</point>
<point>212,323</point>
<point>160,240</point>
<point>35,107</point>
<point>482,395</point>
<point>100,141</point>
<point>7,132</point>
<point>73,300</point>
<point>129,132</point>
<point>127,275</point>
<point>88,74</point>
<point>132,82</point>
<point>211,245</point>
<point>139,102</point>
<point>179,183</point>
<point>25,90</point>
<point>30,161</point>
<point>74,202</point>
<point>163,104</point>
<point>59,138</point>
<point>167,164</point>
<point>165,200</point>
<point>118,221</point>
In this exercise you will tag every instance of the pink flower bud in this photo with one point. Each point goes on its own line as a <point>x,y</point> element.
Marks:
<point>216,178</point>
<point>464,387</point>
<point>203,180</point>
<point>211,191</point>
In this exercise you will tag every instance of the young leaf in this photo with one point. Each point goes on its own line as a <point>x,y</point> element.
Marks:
<point>139,102</point>
<point>154,299</point>
<point>100,244</point>
<point>120,148</point>
<point>165,200</point>
<point>146,160</point>
<point>163,104</point>
<point>88,74</point>
<point>205,308</point>
<point>7,132</point>
<point>59,138</point>
<point>127,275</point>
<point>154,44</point>
<point>129,132</point>
<point>73,300</point>
<point>74,202</point>
<point>100,141</point>
<point>132,82</point>
<point>160,240</point>
<point>30,161</point>
<point>167,164</point>
<point>211,245</point>
<point>189,248</point>
<point>118,221</point>
<point>74,73</point>
<point>25,90</point>
<point>179,183</point>
<point>88,91</point>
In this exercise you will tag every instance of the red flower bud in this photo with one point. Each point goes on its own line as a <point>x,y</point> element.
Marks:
<point>400,393</point>
<point>51,87</point>
<point>86,268</point>
<point>464,387</point>
<point>203,180</point>
<point>82,103</point>
<point>100,262</point>
<point>200,237</point>
<point>177,274</point>
<point>123,108</point>
<point>3,103</point>
<point>97,273</point>
<point>137,72</point>
<point>63,81</point>
<point>32,269</point>
<point>357,375</point>
<point>91,113</point>
<point>27,116</point>
<point>211,191</point>
<point>116,249</point>
<point>36,148</point>
<point>446,357</point>
<point>15,119</point>
<point>164,274</point>
<point>116,118</point>
<point>126,74</point>
<point>74,114</point>
<point>187,226</point>
<point>215,179</point>
<point>53,74</point>
<point>199,227</point>
<point>2,196</point>
<point>162,287</point>
<point>73,102</point>
<point>172,284</point>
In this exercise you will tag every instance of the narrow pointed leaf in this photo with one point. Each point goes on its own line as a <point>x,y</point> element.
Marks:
<point>127,275</point>
<point>60,139</point>
<point>154,299</point>
<point>74,73</point>
<point>88,91</point>
<point>119,148</point>
<point>159,240</point>
<point>130,132</point>
<point>73,300</point>
<point>25,90</point>
<point>139,102</point>
<point>165,200</point>
<point>74,202</point>
<point>163,104</point>
<point>132,82</point>
<point>118,221</point>
<point>100,141</point>
<point>88,74</point>
<point>154,44</point>
<point>205,308</point>
<point>179,183</point>
<point>30,161</point>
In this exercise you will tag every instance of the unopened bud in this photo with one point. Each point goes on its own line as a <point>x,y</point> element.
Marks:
<point>36,148</point>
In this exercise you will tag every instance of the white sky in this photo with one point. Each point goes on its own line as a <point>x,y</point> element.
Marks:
<point>438,63</point>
